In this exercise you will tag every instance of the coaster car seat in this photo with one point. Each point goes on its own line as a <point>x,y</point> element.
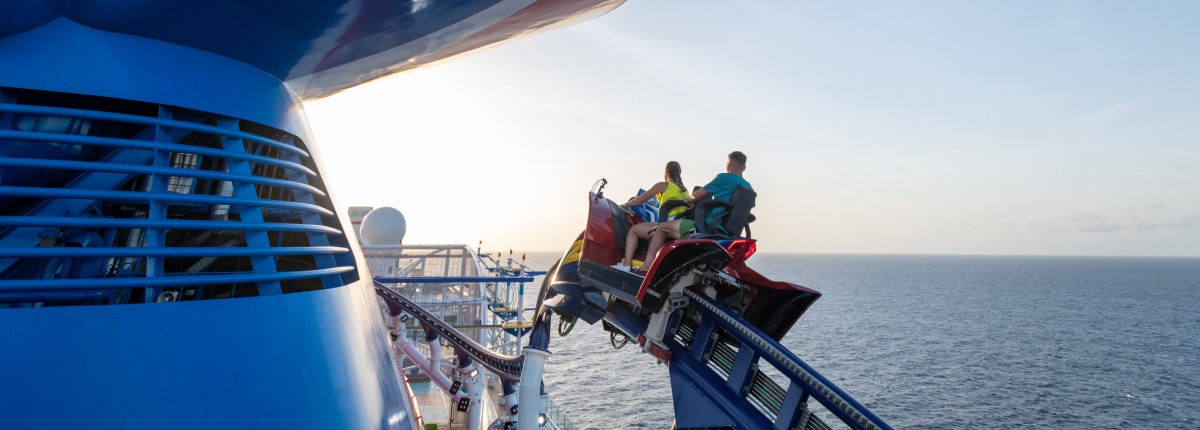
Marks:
<point>733,217</point>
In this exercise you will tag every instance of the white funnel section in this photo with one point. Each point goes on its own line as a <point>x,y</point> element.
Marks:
<point>530,391</point>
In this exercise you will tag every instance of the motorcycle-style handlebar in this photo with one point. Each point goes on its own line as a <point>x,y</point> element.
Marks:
<point>598,189</point>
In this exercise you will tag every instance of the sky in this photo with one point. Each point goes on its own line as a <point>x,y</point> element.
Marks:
<point>922,127</point>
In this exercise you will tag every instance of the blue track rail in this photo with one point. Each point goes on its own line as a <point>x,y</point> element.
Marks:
<point>716,355</point>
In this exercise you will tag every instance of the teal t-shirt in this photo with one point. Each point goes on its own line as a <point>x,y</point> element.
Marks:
<point>721,188</point>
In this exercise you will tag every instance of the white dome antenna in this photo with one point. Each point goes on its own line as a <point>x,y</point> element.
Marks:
<point>383,226</point>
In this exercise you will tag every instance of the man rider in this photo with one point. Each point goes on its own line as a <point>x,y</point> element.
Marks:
<point>721,188</point>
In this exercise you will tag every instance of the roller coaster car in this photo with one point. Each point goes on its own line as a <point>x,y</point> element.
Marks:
<point>712,262</point>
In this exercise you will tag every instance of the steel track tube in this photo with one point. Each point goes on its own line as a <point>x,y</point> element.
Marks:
<point>475,392</point>
<point>431,368</point>
<point>530,393</point>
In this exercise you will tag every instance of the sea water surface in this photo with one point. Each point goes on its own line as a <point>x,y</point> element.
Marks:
<point>950,342</point>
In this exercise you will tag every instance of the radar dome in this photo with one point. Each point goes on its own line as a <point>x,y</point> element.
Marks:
<point>383,226</point>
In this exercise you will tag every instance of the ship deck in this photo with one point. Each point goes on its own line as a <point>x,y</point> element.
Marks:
<point>435,406</point>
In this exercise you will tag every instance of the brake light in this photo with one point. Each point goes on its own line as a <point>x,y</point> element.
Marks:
<point>660,353</point>
<point>652,347</point>
<point>743,247</point>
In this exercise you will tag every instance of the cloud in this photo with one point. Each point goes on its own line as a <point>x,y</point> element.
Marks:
<point>1102,115</point>
<point>1009,212</point>
<point>1080,222</point>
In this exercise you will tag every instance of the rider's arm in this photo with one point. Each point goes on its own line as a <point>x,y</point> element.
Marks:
<point>699,194</point>
<point>642,198</point>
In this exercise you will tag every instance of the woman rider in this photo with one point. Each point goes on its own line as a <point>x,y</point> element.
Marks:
<point>671,188</point>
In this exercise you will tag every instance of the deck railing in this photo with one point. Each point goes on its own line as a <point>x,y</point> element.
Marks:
<point>126,204</point>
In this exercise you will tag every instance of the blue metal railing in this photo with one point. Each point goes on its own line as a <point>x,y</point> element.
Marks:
<point>38,136</point>
<point>148,121</point>
<point>157,197</point>
<point>168,224</point>
<point>172,199</point>
<point>75,252</point>
<point>151,170</point>
<point>181,280</point>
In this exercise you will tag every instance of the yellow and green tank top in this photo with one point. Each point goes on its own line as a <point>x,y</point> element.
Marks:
<point>673,192</point>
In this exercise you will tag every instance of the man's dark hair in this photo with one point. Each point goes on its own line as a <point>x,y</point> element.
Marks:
<point>738,156</point>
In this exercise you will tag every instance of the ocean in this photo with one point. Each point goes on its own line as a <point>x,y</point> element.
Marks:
<point>950,342</point>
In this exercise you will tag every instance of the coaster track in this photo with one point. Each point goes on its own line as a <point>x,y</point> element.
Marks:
<point>506,366</point>
<point>717,369</point>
